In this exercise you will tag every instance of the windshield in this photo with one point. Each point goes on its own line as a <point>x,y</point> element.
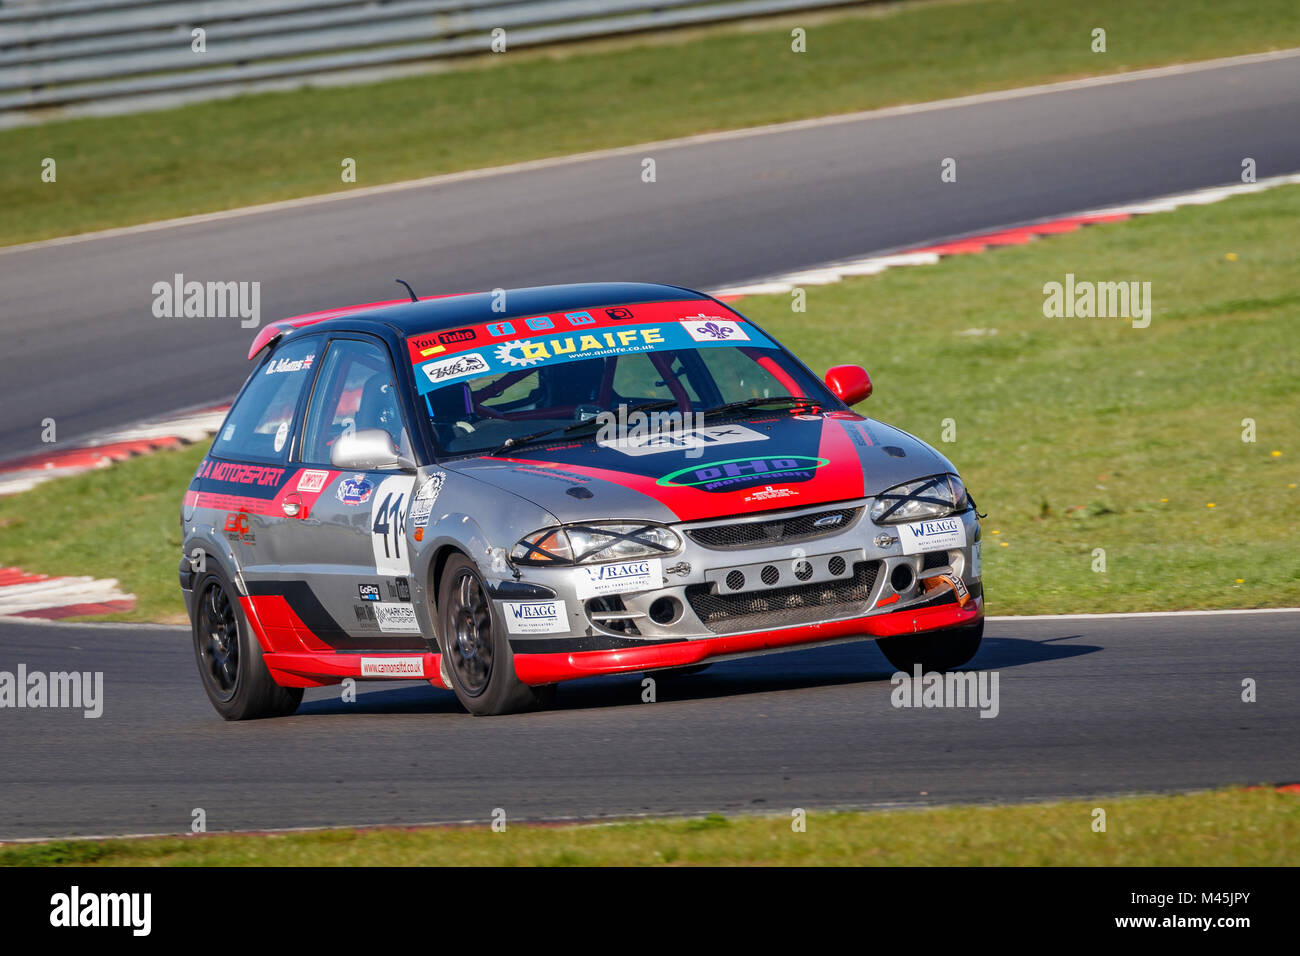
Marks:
<point>643,373</point>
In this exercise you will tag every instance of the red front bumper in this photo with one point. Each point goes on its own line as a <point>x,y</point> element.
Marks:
<point>550,668</point>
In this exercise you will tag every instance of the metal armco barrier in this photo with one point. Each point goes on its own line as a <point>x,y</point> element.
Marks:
<point>105,55</point>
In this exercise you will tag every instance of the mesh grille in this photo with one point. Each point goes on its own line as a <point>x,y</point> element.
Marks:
<point>934,559</point>
<point>785,607</point>
<point>749,534</point>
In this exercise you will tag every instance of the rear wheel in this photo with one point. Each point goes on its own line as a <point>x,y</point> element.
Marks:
<point>230,658</point>
<point>477,653</point>
<point>939,651</point>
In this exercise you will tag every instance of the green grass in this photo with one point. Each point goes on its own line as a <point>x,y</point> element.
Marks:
<point>1220,828</point>
<point>114,171</point>
<point>121,522</point>
<point>1079,434</point>
<point>1072,434</point>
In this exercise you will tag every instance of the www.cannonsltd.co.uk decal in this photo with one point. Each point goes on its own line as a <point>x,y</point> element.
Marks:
<point>740,473</point>
<point>445,358</point>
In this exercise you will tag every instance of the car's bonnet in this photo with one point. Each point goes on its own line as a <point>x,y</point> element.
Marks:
<point>733,468</point>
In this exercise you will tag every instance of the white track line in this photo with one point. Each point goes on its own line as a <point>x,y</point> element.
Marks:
<point>698,139</point>
<point>832,272</point>
<point>1126,614</point>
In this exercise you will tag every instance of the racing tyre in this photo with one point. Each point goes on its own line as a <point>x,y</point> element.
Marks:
<point>940,651</point>
<point>474,645</point>
<point>230,658</point>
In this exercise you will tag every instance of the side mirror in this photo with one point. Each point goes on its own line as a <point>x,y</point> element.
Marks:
<point>850,383</point>
<point>370,449</point>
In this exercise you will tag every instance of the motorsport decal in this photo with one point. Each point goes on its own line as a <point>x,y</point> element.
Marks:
<point>291,365</point>
<point>229,472</point>
<point>768,493</point>
<point>815,459</point>
<point>425,499</point>
<point>256,489</point>
<point>396,618</point>
<point>355,490</point>
<point>745,473</point>
<point>368,592</point>
<point>237,528</point>
<point>523,343</point>
<point>388,525</point>
<point>458,366</point>
<point>392,667</point>
<point>655,443</point>
<point>311,480</point>
<point>714,328</point>
<point>620,578</point>
<point>536,617</point>
<point>938,534</point>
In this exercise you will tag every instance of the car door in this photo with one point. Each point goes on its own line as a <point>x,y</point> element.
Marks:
<point>350,546</point>
<point>246,478</point>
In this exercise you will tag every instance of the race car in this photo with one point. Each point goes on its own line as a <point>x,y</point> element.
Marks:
<point>499,492</point>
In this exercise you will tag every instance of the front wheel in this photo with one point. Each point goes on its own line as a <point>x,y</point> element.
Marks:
<point>475,648</point>
<point>939,651</point>
<point>230,659</point>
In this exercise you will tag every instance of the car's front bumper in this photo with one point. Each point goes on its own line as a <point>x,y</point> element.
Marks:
<point>556,664</point>
<point>860,584</point>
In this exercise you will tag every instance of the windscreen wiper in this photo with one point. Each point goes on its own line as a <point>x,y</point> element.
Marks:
<point>778,401</point>
<point>563,430</point>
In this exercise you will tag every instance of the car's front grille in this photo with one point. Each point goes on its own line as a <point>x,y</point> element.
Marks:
<point>779,530</point>
<point>785,607</point>
<point>934,559</point>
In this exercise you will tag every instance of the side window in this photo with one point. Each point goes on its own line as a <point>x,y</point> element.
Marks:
<point>357,391</point>
<point>258,427</point>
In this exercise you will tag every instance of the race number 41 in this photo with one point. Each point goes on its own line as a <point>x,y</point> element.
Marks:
<point>388,525</point>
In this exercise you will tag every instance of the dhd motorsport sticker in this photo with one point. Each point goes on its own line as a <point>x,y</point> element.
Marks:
<point>738,473</point>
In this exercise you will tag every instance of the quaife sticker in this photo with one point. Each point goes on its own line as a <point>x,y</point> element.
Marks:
<point>536,617</point>
<point>396,618</point>
<point>938,534</point>
<point>620,578</point>
<point>392,667</point>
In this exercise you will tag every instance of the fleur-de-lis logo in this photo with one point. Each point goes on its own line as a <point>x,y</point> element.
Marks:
<point>713,329</point>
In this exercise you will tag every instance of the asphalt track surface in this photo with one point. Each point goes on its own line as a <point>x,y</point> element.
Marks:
<point>1087,707</point>
<point>81,344</point>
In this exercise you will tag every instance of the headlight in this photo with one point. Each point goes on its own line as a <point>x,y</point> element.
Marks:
<point>591,543</point>
<point>935,497</point>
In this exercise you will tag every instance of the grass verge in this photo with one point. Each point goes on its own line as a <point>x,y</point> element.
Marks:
<point>115,171</point>
<point>1074,435</point>
<point>1257,827</point>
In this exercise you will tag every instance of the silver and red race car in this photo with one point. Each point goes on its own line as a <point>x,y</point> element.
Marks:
<point>495,493</point>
